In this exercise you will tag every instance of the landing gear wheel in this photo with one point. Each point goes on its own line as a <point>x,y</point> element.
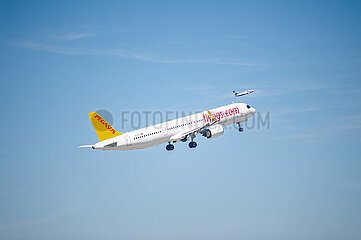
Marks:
<point>169,147</point>
<point>239,127</point>
<point>192,144</point>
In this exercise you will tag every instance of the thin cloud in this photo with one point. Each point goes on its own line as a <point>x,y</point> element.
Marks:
<point>227,39</point>
<point>71,36</point>
<point>301,110</point>
<point>24,190</point>
<point>51,217</point>
<point>351,185</point>
<point>267,93</point>
<point>340,127</point>
<point>119,53</point>
<point>296,136</point>
<point>310,87</point>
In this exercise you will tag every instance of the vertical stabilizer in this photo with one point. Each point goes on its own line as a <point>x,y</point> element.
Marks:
<point>103,129</point>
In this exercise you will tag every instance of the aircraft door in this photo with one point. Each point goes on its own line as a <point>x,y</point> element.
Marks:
<point>165,132</point>
<point>127,140</point>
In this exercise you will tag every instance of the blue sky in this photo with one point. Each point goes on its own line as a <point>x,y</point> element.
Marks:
<point>298,179</point>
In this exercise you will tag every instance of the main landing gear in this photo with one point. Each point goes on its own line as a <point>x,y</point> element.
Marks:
<point>239,127</point>
<point>169,147</point>
<point>192,144</point>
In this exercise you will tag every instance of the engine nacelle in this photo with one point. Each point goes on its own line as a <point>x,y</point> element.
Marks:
<point>213,131</point>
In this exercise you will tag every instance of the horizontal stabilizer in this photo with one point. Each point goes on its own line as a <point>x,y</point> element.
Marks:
<point>86,146</point>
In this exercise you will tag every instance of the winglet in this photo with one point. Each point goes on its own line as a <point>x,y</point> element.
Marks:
<point>210,114</point>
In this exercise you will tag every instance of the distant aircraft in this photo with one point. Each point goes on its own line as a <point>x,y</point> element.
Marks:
<point>243,93</point>
<point>208,123</point>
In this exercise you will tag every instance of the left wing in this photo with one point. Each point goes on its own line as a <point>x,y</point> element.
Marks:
<point>185,135</point>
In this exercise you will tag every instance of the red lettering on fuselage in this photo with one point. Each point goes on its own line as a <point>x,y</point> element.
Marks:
<point>220,115</point>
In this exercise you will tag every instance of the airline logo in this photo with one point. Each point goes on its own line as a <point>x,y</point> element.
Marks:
<point>106,125</point>
<point>220,115</point>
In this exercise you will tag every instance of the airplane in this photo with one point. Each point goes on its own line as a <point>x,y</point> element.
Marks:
<point>243,93</point>
<point>208,123</point>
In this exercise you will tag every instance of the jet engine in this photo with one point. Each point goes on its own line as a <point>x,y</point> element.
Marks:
<point>213,131</point>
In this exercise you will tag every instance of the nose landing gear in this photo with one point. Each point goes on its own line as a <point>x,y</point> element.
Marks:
<point>239,127</point>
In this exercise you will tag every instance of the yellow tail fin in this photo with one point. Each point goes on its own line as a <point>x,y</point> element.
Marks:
<point>103,129</point>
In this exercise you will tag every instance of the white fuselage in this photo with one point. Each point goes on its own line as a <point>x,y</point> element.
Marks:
<point>168,131</point>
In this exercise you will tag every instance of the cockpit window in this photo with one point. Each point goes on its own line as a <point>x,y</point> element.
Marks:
<point>248,106</point>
